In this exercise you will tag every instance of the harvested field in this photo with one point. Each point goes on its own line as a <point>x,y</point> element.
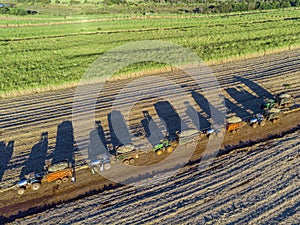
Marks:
<point>253,185</point>
<point>25,120</point>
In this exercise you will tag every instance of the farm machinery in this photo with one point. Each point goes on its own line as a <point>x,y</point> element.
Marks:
<point>127,154</point>
<point>234,124</point>
<point>257,120</point>
<point>99,165</point>
<point>58,173</point>
<point>32,181</point>
<point>281,101</point>
<point>163,146</point>
<point>169,144</point>
<point>212,132</point>
<point>273,115</point>
<point>273,109</point>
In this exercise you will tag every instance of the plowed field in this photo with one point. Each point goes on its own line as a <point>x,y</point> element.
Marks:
<point>256,185</point>
<point>37,128</point>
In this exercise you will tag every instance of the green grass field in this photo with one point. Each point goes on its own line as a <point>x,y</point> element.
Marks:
<point>39,51</point>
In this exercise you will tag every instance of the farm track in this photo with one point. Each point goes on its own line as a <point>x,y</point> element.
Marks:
<point>244,83</point>
<point>254,185</point>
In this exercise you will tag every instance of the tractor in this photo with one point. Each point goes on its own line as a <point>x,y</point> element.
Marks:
<point>258,119</point>
<point>281,101</point>
<point>32,181</point>
<point>212,132</point>
<point>100,165</point>
<point>58,172</point>
<point>164,145</point>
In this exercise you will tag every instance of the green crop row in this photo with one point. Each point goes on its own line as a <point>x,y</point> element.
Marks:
<point>50,61</point>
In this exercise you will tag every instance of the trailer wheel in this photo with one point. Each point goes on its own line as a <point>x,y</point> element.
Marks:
<point>262,123</point>
<point>21,191</point>
<point>211,136</point>
<point>274,121</point>
<point>35,186</point>
<point>58,182</point>
<point>159,152</point>
<point>169,149</point>
<point>65,179</point>
<point>254,125</point>
<point>238,131</point>
<point>131,161</point>
<point>126,162</point>
<point>234,131</point>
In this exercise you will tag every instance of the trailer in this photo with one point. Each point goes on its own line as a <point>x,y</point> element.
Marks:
<point>284,100</point>
<point>127,154</point>
<point>273,115</point>
<point>281,101</point>
<point>234,124</point>
<point>58,172</point>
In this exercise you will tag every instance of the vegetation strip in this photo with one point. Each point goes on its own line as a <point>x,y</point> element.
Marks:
<point>61,59</point>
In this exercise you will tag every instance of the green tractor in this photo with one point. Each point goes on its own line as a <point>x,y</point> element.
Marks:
<point>281,101</point>
<point>164,145</point>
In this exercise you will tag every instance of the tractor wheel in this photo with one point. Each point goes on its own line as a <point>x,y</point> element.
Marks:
<point>35,186</point>
<point>131,161</point>
<point>169,149</point>
<point>159,152</point>
<point>174,143</point>
<point>96,169</point>
<point>126,162</point>
<point>65,179</point>
<point>211,136</point>
<point>274,121</point>
<point>21,191</point>
<point>254,125</point>
<point>262,123</point>
<point>106,166</point>
<point>58,182</point>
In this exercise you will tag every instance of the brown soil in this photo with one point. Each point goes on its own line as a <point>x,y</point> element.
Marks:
<point>14,206</point>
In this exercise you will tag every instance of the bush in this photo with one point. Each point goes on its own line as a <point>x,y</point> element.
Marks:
<point>13,11</point>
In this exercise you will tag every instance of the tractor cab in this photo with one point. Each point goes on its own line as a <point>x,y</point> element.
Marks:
<point>268,104</point>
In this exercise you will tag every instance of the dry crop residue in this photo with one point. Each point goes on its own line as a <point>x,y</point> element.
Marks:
<point>257,185</point>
